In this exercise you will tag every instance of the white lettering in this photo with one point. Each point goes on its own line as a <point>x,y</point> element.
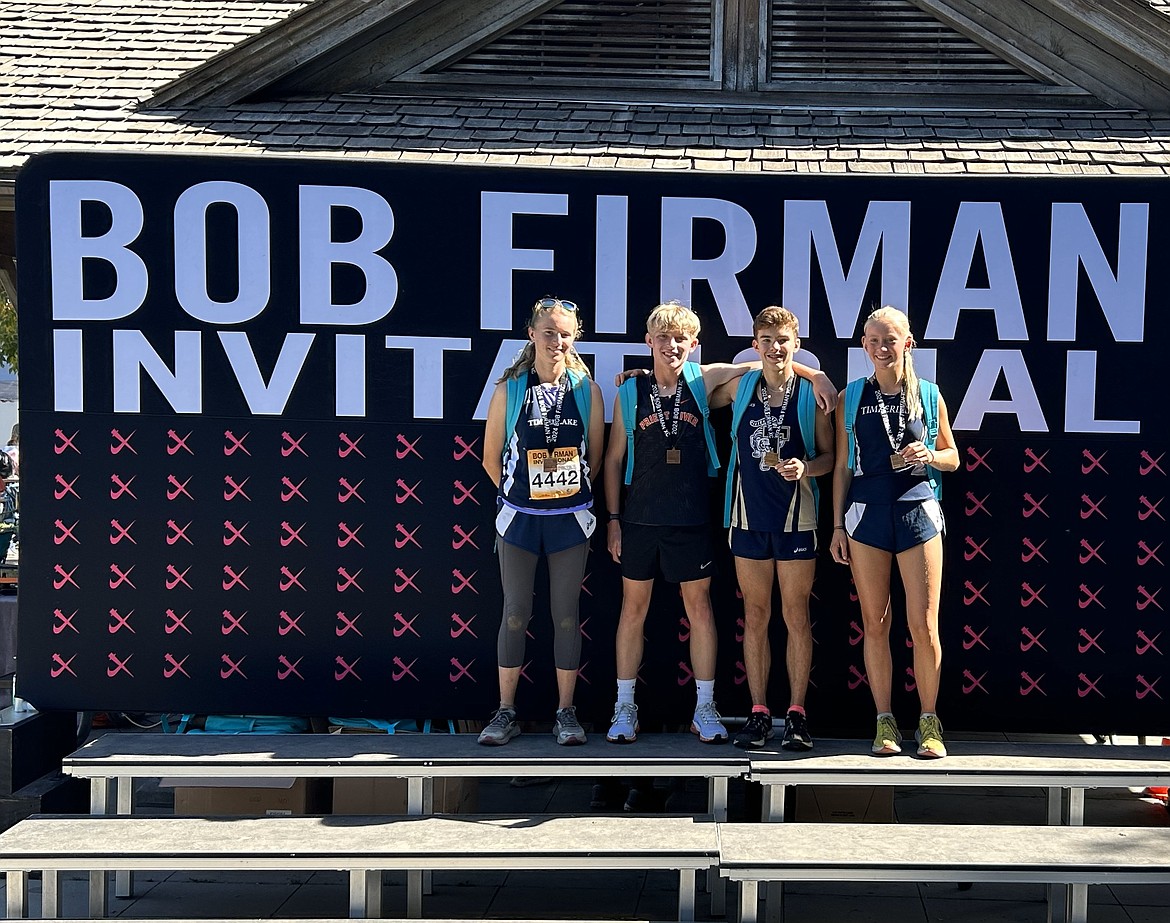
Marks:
<point>1024,403</point>
<point>350,375</point>
<point>1080,398</point>
<point>612,263</point>
<point>427,353</point>
<point>68,383</point>
<point>266,398</point>
<point>498,259</point>
<point>182,388</point>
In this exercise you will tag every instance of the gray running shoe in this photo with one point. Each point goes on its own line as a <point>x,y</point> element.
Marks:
<point>500,729</point>
<point>567,728</point>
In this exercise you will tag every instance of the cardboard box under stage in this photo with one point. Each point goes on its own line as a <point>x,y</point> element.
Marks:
<point>249,797</point>
<point>388,796</point>
<point>845,804</point>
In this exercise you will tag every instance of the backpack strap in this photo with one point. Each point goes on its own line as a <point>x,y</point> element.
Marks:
<point>693,376</point>
<point>928,391</point>
<point>628,393</point>
<point>517,388</point>
<point>852,402</point>
<point>806,418</point>
<point>583,395</point>
<point>743,397</point>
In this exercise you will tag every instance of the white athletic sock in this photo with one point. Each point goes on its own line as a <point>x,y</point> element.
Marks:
<point>705,689</point>
<point>625,693</point>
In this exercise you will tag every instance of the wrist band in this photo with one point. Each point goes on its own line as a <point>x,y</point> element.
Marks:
<point>842,528</point>
<point>613,517</point>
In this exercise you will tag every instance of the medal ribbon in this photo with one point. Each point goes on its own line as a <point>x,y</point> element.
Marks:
<point>546,402</point>
<point>895,437</point>
<point>671,434</point>
<point>773,430</point>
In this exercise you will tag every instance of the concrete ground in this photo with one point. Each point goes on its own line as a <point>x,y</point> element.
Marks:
<point>652,895</point>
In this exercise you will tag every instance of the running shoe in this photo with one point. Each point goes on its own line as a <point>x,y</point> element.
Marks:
<point>708,725</point>
<point>796,735</point>
<point>623,728</point>
<point>756,731</point>
<point>502,728</point>
<point>888,738</point>
<point>567,728</point>
<point>929,737</point>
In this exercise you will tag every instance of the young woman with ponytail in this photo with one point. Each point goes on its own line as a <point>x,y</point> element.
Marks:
<point>893,437</point>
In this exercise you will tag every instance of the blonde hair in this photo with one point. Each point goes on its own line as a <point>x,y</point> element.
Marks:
<point>774,316</point>
<point>526,358</point>
<point>899,321</point>
<point>673,315</point>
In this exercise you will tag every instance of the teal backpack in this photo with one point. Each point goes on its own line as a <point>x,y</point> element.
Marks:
<point>518,387</point>
<point>806,416</point>
<point>628,393</point>
<point>929,393</point>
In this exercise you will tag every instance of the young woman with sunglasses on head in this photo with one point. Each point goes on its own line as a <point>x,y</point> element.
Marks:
<point>893,437</point>
<point>542,441</point>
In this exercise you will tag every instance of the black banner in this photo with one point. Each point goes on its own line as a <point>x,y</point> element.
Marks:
<point>253,393</point>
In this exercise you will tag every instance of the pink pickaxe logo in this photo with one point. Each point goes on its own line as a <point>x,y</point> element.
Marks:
<point>973,682</point>
<point>462,538</point>
<point>119,576</point>
<point>345,580</point>
<point>911,682</point>
<point>1148,509</point>
<point>975,549</point>
<point>292,445</point>
<point>684,631</point>
<point>1089,597</point>
<point>1145,553</point>
<point>289,623</point>
<point>976,461</point>
<point>60,665</point>
<point>349,446</point>
<point>1032,640</point>
<point>1091,507</point>
<point>345,625</point>
<point>974,638</point>
<point>404,625</point>
<point>347,491</point>
<point>345,535</point>
<point>972,595</point>
<point>232,622</point>
<point>234,445</point>
<point>685,674</point>
<point>119,487</point>
<point>1032,506</point>
<point>858,678</point>
<point>1146,466</point>
<point>408,447</point>
<point>290,490</point>
<point>290,535</point>
<point>173,666</point>
<point>119,532</point>
<point>345,668</point>
<point>1089,685</point>
<point>231,667</point>
<point>1089,642</point>
<point>406,537</point>
<point>64,533</point>
<point>459,626</point>
<point>178,488</point>
<point>1092,462</point>
<point>177,533</point>
<point>231,578</point>
<point>581,675</point>
<point>176,621</point>
<point>740,673</point>
<point>232,489</point>
<point>231,534</point>
<point>65,487</point>
<point>1033,685</point>
<point>1032,461</point>
<point>1147,599</point>
<point>1090,552</point>
<point>403,581</point>
<point>406,492</point>
<point>118,621</point>
<point>64,621</point>
<point>1030,595</point>
<point>463,449</point>
<point>63,576</point>
<point>461,583</point>
<point>64,443</point>
<point>118,666</point>
<point>177,443</point>
<point>1032,550</point>
<point>288,668</point>
<point>463,493</point>
<point>460,671</point>
<point>975,505</point>
<point>1147,687</point>
<point>175,577</point>
<point>121,442</point>
<point>580,627</point>
<point>1144,642</point>
<point>288,579</point>
<point>403,670</point>
<point>856,633</point>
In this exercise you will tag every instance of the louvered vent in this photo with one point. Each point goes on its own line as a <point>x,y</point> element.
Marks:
<point>876,40</point>
<point>634,40</point>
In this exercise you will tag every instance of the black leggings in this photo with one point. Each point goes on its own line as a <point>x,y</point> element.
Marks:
<point>566,570</point>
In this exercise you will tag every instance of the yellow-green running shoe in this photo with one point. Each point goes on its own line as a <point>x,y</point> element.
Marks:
<point>888,738</point>
<point>929,737</point>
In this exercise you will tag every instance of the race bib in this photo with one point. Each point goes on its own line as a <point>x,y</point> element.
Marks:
<point>553,475</point>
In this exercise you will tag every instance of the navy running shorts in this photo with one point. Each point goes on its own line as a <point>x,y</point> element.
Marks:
<point>894,527</point>
<point>758,545</point>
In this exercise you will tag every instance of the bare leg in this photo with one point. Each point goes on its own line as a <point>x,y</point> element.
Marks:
<point>921,570</point>
<point>696,596</point>
<point>755,583</point>
<point>631,623</point>
<point>796,580</point>
<point>871,575</point>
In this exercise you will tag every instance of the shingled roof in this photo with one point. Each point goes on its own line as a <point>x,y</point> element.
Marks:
<point>83,73</point>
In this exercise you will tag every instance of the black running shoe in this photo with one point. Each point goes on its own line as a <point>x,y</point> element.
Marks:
<point>756,731</point>
<point>796,735</point>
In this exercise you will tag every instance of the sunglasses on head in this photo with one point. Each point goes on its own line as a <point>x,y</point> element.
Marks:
<point>548,302</point>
